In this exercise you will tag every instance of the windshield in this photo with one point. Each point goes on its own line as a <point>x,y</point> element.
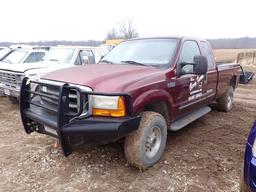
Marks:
<point>155,52</point>
<point>16,56</point>
<point>60,55</point>
<point>105,49</point>
<point>4,52</point>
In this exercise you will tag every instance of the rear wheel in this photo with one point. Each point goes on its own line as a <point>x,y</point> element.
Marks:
<point>144,147</point>
<point>225,103</point>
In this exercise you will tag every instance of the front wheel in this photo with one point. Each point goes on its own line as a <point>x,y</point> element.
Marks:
<point>144,147</point>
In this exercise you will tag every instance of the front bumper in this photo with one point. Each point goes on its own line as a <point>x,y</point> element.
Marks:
<point>70,130</point>
<point>87,130</point>
<point>250,168</point>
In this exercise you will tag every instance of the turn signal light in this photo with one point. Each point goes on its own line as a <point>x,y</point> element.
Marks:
<point>119,112</point>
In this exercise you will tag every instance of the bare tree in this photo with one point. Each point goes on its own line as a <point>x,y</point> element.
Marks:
<point>127,29</point>
<point>112,34</point>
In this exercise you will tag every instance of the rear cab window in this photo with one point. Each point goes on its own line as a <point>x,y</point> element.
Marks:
<point>206,51</point>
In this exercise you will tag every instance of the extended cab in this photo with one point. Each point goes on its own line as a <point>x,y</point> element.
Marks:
<point>11,75</point>
<point>138,91</point>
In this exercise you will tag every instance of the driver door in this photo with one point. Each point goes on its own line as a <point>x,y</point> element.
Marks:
<point>190,88</point>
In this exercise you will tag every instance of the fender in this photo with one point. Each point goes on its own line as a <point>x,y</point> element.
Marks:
<point>150,96</point>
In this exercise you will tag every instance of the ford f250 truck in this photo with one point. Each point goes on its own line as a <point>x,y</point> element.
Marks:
<point>11,75</point>
<point>138,91</point>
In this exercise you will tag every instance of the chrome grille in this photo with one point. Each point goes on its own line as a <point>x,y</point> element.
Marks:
<point>11,80</point>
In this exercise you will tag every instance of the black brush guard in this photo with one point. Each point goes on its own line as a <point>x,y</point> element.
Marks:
<point>35,116</point>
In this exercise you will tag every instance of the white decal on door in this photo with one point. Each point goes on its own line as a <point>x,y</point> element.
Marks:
<point>196,87</point>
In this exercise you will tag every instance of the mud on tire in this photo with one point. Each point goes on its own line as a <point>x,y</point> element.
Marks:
<point>144,147</point>
<point>226,101</point>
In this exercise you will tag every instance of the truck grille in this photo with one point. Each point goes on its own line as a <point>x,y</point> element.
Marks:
<point>11,80</point>
<point>74,98</point>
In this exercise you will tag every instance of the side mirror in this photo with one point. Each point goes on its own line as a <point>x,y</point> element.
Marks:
<point>85,59</point>
<point>200,65</point>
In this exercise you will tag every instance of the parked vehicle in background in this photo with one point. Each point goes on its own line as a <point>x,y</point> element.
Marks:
<point>248,176</point>
<point>5,52</point>
<point>47,48</point>
<point>138,91</point>
<point>3,47</point>
<point>113,42</point>
<point>21,46</point>
<point>109,45</point>
<point>57,58</point>
<point>11,61</point>
<point>20,56</point>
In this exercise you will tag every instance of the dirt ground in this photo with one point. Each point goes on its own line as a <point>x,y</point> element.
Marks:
<point>205,156</point>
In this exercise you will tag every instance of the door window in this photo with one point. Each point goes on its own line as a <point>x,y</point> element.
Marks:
<point>31,58</point>
<point>189,50</point>
<point>34,57</point>
<point>39,56</point>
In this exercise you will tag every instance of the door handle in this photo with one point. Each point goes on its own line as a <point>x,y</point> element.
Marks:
<point>206,78</point>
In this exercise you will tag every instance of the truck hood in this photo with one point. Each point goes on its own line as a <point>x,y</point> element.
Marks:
<point>38,72</point>
<point>108,78</point>
<point>26,66</point>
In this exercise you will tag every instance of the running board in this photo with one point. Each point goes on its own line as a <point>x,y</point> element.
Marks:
<point>177,125</point>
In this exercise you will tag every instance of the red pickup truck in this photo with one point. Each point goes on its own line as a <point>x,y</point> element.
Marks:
<point>138,91</point>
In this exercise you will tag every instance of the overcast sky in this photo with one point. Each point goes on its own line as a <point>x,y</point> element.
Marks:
<point>34,20</point>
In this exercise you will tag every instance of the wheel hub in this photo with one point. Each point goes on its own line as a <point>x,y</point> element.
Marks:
<point>153,142</point>
<point>230,99</point>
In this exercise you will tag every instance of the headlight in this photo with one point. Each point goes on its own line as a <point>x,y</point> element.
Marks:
<point>112,106</point>
<point>254,148</point>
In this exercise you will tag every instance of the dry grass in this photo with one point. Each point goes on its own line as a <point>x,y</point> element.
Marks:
<point>228,55</point>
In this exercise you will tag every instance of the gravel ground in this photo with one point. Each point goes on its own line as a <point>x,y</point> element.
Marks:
<point>205,156</point>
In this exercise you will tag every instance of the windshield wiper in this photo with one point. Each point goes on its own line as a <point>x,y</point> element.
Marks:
<point>106,61</point>
<point>134,63</point>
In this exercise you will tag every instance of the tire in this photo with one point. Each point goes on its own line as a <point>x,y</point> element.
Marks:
<point>14,100</point>
<point>226,101</point>
<point>243,186</point>
<point>144,147</point>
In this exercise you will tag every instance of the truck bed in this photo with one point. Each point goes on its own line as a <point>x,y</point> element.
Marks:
<point>225,71</point>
